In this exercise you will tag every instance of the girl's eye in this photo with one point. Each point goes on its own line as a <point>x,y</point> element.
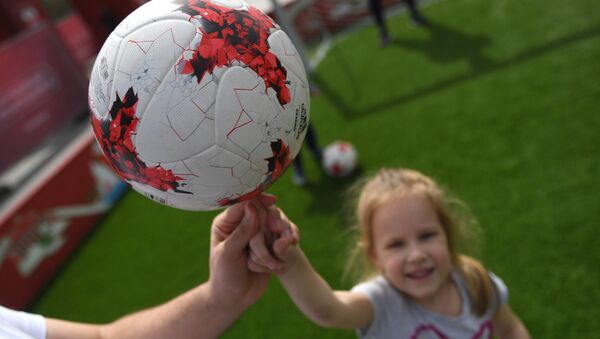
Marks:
<point>395,244</point>
<point>428,235</point>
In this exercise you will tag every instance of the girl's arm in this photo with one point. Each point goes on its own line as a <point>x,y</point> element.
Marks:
<point>508,325</point>
<point>313,296</point>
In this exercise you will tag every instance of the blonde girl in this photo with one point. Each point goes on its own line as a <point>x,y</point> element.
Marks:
<point>418,284</point>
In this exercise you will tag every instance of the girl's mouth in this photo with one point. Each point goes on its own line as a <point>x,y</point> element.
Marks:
<point>420,274</point>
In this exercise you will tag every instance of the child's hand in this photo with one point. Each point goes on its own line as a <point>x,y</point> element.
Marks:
<point>270,250</point>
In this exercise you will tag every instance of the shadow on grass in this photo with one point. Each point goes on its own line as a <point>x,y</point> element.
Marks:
<point>443,46</point>
<point>448,45</point>
<point>336,191</point>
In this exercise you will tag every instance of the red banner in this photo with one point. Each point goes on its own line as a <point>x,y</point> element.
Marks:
<point>78,39</point>
<point>41,89</point>
<point>45,221</point>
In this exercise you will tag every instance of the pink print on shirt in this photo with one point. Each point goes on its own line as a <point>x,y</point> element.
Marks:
<point>484,332</point>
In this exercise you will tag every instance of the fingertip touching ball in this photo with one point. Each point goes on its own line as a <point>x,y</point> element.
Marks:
<point>199,104</point>
<point>340,159</point>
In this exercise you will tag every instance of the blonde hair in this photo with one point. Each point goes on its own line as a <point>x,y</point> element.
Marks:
<point>457,221</point>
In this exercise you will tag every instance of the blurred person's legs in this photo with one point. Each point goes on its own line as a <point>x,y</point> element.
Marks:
<point>415,15</point>
<point>310,140</point>
<point>377,11</point>
<point>378,14</point>
<point>313,144</point>
<point>299,178</point>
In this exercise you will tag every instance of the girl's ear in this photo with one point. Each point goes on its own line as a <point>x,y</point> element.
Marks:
<point>374,259</point>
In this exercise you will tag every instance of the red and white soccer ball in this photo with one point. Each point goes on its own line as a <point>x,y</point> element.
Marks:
<point>199,104</point>
<point>340,159</point>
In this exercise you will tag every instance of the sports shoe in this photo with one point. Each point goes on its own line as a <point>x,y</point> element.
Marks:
<point>419,20</point>
<point>385,40</point>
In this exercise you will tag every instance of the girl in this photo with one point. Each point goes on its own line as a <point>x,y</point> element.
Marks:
<point>418,285</point>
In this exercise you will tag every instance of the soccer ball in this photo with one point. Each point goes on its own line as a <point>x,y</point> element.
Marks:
<point>199,104</point>
<point>339,159</point>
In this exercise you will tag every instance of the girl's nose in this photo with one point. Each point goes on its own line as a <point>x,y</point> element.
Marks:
<point>416,254</point>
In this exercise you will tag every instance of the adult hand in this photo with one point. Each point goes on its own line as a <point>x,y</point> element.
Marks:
<point>230,281</point>
<point>205,311</point>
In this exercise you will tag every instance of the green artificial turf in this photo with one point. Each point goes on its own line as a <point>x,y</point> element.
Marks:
<point>498,100</point>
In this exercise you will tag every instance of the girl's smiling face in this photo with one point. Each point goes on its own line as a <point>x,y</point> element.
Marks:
<point>411,247</point>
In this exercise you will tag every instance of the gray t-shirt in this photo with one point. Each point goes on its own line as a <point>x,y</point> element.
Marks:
<point>396,316</point>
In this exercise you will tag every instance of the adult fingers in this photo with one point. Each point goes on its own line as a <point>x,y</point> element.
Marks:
<point>267,199</point>
<point>262,210</point>
<point>274,221</point>
<point>247,228</point>
<point>226,222</point>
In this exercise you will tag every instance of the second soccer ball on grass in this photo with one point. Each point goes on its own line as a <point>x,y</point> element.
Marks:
<point>340,159</point>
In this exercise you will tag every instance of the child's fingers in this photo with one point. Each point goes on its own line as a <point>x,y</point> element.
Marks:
<point>258,263</point>
<point>287,234</point>
<point>252,257</point>
<point>279,247</point>
<point>257,248</point>
<point>279,224</point>
<point>290,230</point>
<point>295,233</point>
<point>260,252</point>
<point>292,234</point>
<point>254,267</point>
